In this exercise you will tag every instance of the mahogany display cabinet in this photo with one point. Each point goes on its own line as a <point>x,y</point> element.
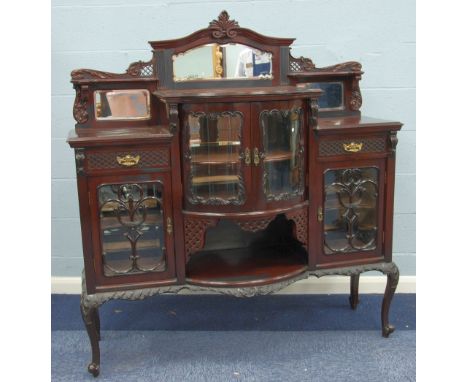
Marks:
<point>225,164</point>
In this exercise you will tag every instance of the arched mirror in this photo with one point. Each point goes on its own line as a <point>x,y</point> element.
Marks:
<point>216,62</point>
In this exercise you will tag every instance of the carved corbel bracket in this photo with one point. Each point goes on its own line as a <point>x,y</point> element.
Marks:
<point>80,112</point>
<point>393,139</point>
<point>173,116</point>
<point>79,160</point>
<point>355,102</point>
<point>313,116</point>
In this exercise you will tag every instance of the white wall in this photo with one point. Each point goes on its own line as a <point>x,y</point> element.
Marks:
<point>109,34</point>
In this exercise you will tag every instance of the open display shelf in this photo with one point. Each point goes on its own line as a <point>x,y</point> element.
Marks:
<point>238,267</point>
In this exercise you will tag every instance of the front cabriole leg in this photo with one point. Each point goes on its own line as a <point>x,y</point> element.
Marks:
<point>393,275</point>
<point>97,320</point>
<point>89,314</point>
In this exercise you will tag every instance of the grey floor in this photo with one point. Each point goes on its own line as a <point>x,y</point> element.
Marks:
<point>359,355</point>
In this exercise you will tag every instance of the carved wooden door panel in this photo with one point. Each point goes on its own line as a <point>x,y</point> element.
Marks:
<point>278,137</point>
<point>132,228</point>
<point>217,157</point>
<point>350,212</point>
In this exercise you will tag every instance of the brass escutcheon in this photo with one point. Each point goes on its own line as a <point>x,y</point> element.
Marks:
<point>352,147</point>
<point>320,214</point>
<point>169,226</point>
<point>256,157</point>
<point>128,160</point>
<point>247,156</point>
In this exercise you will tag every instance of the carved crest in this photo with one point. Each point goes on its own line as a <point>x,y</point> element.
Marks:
<point>301,64</point>
<point>224,27</point>
<point>139,69</point>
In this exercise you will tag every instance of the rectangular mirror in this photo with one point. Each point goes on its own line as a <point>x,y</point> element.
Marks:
<point>332,97</point>
<point>123,104</point>
<point>217,62</point>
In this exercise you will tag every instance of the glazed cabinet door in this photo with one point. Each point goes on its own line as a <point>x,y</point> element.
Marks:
<point>279,152</point>
<point>132,228</point>
<point>350,212</point>
<point>216,154</point>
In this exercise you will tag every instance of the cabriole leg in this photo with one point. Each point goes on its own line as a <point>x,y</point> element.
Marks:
<point>89,316</point>
<point>97,320</point>
<point>354,296</point>
<point>392,282</point>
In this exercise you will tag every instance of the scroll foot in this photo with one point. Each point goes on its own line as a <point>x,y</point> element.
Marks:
<point>93,369</point>
<point>393,275</point>
<point>387,330</point>
<point>354,296</point>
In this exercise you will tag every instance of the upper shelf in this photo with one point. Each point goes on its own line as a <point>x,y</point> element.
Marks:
<point>352,122</point>
<point>118,136</point>
<point>235,94</point>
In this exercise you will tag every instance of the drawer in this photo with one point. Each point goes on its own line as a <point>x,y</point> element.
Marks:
<point>352,145</point>
<point>127,158</point>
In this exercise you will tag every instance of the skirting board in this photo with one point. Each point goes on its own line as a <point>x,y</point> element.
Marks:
<point>313,285</point>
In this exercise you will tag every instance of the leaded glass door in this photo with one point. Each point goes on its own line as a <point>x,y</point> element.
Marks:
<point>351,212</point>
<point>133,229</point>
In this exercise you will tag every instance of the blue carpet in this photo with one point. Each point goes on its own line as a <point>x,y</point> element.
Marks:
<point>220,338</point>
<point>225,313</point>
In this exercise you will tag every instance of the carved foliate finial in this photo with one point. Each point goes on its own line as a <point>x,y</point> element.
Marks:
<point>224,26</point>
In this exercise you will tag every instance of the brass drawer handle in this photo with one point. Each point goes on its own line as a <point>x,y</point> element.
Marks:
<point>352,147</point>
<point>128,160</point>
<point>169,226</point>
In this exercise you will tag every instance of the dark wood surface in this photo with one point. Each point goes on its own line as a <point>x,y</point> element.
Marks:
<point>235,94</point>
<point>342,124</point>
<point>117,136</point>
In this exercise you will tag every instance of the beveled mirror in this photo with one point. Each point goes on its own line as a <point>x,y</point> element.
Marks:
<point>123,104</point>
<point>216,62</point>
<point>332,97</point>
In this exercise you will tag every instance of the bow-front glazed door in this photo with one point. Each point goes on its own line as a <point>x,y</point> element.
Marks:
<point>278,153</point>
<point>217,157</point>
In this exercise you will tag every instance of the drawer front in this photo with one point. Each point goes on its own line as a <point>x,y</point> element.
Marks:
<point>128,158</point>
<point>354,145</point>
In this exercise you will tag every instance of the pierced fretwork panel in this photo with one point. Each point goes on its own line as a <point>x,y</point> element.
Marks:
<point>132,228</point>
<point>350,210</point>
